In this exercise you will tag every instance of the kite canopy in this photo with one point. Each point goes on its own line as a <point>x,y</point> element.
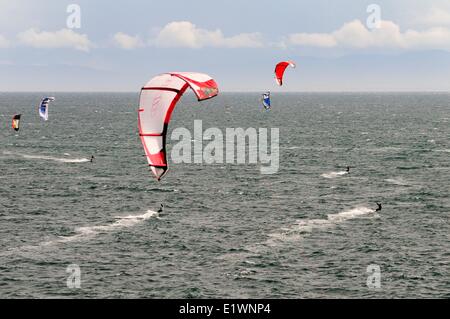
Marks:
<point>279,70</point>
<point>16,122</point>
<point>266,100</point>
<point>157,101</point>
<point>43,107</point>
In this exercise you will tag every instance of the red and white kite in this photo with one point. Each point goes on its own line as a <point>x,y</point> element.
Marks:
<point>279,70</point>
<point>157,102</point>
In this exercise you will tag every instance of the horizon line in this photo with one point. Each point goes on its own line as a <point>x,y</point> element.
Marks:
<point>232,91</point>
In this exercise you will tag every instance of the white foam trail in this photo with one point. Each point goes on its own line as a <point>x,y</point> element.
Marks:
<point>87,232</point>
<point>334,174</point>
<point>62,160</point>
<point>50,158</point>
<point>306,226</point>
<point>298,231</point>
<point>122,222</point>
<point>397,181</point>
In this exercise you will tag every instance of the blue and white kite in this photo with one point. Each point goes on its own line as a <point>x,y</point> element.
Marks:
<point>266,100</point>
<point>43,108</point>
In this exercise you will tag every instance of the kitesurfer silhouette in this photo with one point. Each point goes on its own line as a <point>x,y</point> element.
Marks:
<point>379,207</point>
<point>348,169</point>
<point>92,158</point>
<point>160,210</point>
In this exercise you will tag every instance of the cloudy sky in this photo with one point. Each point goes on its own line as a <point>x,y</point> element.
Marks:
<point>121,44</point>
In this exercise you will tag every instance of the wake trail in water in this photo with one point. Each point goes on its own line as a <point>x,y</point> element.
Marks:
<point>334,174</point>
<point>397,181</point>
<point>121,222</point>
<point>307,226</point>
<point>62,160</point>
<point>50,158</point>
<point>88,232</point>
<point>301,229</point>
<point>293,148</point>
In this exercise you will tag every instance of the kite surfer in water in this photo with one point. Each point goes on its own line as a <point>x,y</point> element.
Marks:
<point>160,210</point>
<point>92,159</point>
<point>348,169</point>
<point>379,207</point>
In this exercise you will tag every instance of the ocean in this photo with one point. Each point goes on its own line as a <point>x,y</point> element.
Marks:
<point>227,231</point>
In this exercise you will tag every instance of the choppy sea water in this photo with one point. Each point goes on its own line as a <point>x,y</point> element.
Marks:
<point>309,231</point>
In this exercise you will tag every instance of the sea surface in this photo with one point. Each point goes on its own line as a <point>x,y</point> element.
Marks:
<point>227,231</point>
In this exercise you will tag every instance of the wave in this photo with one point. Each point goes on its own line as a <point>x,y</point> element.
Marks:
<point>386,149</point>
<point>334,174</point>
<point>409,167</point>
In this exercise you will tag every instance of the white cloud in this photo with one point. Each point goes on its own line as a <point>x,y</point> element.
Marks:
<point>64,38</point>
<point>185,34</point>
<point>388,36</point>
<point>4,43</point>
<point>127,42</point>
<point>435,17</point>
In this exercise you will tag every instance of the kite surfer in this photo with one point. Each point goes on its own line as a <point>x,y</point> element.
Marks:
<point>379,207</point>
<point>92,158</point>
<point>348,169</point>
<point>160,210</point>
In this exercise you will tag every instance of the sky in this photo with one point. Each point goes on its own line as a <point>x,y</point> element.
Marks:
<point>117,46</point>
